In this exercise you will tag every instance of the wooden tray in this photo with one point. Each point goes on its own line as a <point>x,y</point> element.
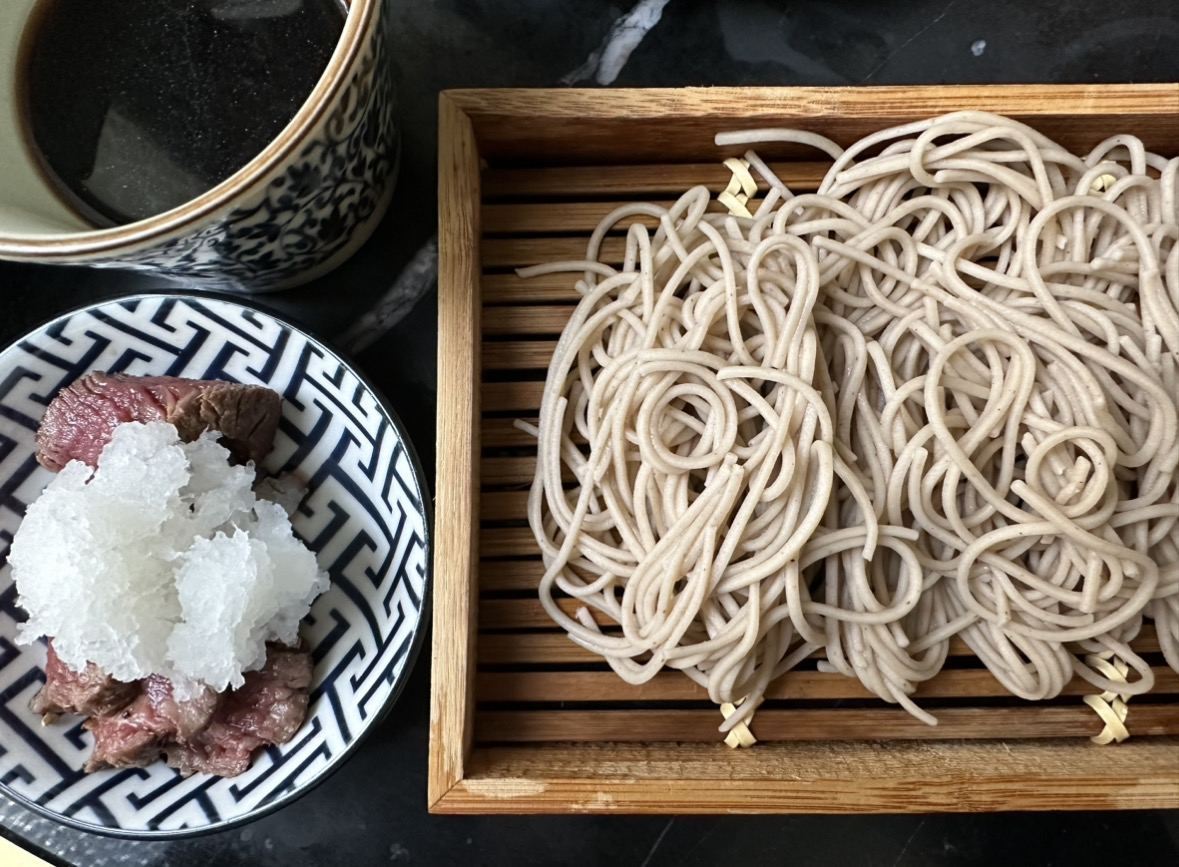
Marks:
<point>522,719</point>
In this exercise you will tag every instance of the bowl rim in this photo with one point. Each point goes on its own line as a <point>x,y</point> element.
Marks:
<point>424,612</point>
<point>358,19</point>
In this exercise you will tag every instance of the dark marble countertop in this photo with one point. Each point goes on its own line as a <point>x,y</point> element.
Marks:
<point>373,811</point>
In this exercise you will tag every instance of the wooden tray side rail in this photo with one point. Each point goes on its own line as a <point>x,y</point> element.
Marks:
<point>525,721</point>
<point>457,492</point>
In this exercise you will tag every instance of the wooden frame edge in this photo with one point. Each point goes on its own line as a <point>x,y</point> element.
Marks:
<point>673,125</point>
<point>552,796</point>
<point>953,779</point>
<point>456,494</point>
<point>808,102</point>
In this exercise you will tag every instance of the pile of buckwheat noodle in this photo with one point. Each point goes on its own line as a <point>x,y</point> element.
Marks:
<point>936,398</point>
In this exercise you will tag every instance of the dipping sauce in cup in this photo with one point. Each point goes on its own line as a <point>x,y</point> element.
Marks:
<point>136,106</point>
<point>242,145</point>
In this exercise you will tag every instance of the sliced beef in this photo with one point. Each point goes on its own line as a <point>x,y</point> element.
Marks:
<point>80,419</point>
<point>187,718</point>
<point>138,735</point>
<point>209,733</point>
<point>267,709</point>
<point>132,738</point>
<point>220,749</point>
<point>89,692</point>
<point>272,703</point>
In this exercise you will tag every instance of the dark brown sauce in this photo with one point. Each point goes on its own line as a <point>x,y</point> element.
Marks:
<point>134,107</point>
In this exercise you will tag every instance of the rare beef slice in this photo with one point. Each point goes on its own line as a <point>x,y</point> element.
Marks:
<point>208,733</point>
<point>269,708</point>
<point>89,692</point>
<point>81,418</point>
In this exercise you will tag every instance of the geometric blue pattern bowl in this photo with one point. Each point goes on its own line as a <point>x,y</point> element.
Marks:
<point>365,517</point>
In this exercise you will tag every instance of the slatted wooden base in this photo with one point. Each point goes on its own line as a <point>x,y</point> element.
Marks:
<point>527,691</point>
<point>536,685</point>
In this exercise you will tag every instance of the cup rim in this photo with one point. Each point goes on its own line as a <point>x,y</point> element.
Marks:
<point>94,242</point>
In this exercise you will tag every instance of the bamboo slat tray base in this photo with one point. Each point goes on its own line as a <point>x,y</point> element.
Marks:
<point>523,720</point>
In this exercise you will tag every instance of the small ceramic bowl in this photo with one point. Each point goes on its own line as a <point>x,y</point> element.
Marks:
<point>364,517</point>
<point>294,212</point>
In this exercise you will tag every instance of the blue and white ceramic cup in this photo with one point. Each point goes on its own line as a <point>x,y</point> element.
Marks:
<point>293,213</point>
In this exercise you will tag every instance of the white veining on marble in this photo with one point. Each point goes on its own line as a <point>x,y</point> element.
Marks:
<point>415,280</point>
<point>658,840</point>
<point>759,32</point>
<point>908,42</point>
<point>606,61</point>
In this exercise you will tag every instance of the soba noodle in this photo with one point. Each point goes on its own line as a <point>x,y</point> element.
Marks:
<point>938,397</point>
